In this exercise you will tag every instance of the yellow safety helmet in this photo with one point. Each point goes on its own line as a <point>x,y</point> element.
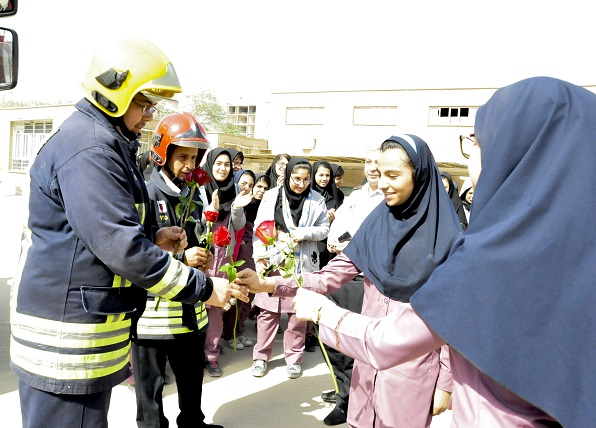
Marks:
<point>125,68</point>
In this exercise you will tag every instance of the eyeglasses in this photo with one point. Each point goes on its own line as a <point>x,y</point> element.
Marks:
<point>467,144</point>
<point>281,164</point>
<point>300,182</point>
<point>148,110</point>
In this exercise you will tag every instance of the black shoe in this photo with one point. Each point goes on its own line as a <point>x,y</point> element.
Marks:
<point>336,417</point>
<point>213,368</point>
<point>204,425</point>
<point>329,396</point>
<point>309,343</point>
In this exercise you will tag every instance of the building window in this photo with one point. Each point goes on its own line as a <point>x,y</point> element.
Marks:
<point>375,116</point>
<point>452,116</point>
<point>244,118</point>
<point>305,115</point>
<point>27,139</point>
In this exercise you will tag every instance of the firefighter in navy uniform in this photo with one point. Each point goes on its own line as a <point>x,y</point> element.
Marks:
<point>88,240</point>
<point>175,330</point>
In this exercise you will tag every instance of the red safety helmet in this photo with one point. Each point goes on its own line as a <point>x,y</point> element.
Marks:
<point>179,129</point>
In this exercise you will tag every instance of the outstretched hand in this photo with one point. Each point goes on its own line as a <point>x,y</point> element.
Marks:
<point>249,278</point>
<point>167,237</point>
<point>306,303</point>
<point>243,198</point>
<point>223,291</point>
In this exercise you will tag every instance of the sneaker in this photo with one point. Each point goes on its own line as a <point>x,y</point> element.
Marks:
<point>244,341</point>
<point>294,371</point>
<point>213,368</point>
<point>230,344</point>
<point>258,368</point>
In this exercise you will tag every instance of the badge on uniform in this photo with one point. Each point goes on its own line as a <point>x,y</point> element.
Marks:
<point>162,207</point>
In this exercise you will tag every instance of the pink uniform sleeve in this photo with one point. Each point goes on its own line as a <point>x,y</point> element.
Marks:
<point>381,343</point>
<point>338,271</point>
<point>445,380</point>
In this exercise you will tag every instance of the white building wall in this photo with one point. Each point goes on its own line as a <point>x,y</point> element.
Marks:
<point>338,135</point>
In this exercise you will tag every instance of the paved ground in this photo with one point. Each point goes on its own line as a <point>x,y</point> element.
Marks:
<point>237,399</point>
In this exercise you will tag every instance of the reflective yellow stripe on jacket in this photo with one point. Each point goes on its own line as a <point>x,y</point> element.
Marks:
<point>173,282</point>
<point>55,361</point>
<point>167,320</point>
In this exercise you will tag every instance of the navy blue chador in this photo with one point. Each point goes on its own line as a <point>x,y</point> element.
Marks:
<point>517,295</point>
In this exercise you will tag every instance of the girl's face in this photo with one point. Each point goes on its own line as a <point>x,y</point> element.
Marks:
<point>280,167</point>
<point>260,188</point>
<point>182,160</point>
<point>221,167</point>
<point>246,183</point>
<point>470,195</point>
<point>396,181</point>
<point>299,180</point>
<point>339,181</point>
<point>445,184</point>
<point>322,176</point>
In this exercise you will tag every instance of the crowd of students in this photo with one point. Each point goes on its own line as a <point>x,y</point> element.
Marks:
<point>499,315</point>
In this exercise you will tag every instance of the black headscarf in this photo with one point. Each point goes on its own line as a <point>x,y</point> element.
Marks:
<point>227,191</point>
<point>338,171</point>
<point>271,172</point>
<point>516,296</point>
<point>329,192</point>
<point>295,200</point>
<point>234,154</point>
<point>455,200</point>
<point>397,248</point>
<point>251,209</point>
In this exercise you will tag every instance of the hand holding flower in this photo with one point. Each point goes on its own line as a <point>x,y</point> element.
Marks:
<point>308,303</point>
<point>255,283</point>
<point>198,257</point>
<point>167,238</point>
<point>223,291</point>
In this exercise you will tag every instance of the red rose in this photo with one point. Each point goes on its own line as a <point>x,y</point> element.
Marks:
<point>266,232</point>
<point>222,237</point>
<point>211,216</point>
<point>198,176</point>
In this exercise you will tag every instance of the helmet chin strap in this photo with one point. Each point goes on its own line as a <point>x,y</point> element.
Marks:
<point>179,182</point>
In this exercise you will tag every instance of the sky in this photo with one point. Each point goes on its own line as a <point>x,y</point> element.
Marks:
<point>249,49</point>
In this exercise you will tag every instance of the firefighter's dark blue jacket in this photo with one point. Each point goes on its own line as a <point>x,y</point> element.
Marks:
<point>85,245</point>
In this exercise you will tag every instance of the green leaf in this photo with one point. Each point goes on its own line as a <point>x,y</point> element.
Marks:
<point>239,262</point>
<point>179,210</point>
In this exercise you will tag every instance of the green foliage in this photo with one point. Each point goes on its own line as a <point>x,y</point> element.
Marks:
<point>210,113</point>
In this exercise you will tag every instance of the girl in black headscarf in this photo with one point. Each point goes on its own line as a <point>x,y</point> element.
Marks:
<point>323,181</point>
<point>220,195</point>
<point>338,174</point>
<point>451,189</point>
<point>301,213</point>
<point>277,169</point>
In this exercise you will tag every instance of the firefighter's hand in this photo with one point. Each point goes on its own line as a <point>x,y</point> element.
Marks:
<point>198,257</point>
<point>167,237</point>
<point>254,282</point>
<point>223,291</point>
<point>440,401</point>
